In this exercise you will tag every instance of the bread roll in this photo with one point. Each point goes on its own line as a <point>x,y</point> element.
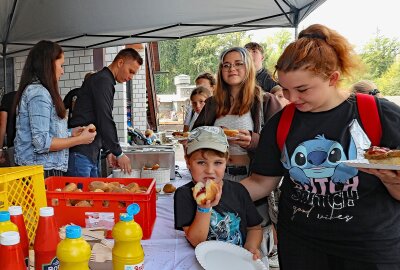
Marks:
<point>133,187</point>
<point>92,128</point>
<point>71,187</point>
<point>202,193</point>
<point>83,203</point>
<point>169,188</point>
<point>231,132</point>
<point>99,185</point>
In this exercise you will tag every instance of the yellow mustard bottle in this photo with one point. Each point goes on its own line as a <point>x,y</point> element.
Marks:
<point>5,224</point>
<point>127,253</point>
<point>73,252</point>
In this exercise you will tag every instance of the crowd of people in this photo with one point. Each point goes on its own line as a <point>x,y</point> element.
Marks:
<point>295,127</point>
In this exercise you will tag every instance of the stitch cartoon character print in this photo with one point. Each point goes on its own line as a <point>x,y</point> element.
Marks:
<point>321,182</point>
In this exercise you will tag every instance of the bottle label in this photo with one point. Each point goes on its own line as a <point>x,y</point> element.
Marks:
<point>138,266</point>
<point>54,265</point>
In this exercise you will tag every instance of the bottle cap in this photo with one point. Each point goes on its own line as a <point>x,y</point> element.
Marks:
<point>125,217</point>
<point>46,211</point>
<point>73,232</point>
<point>133,209</point>
<point>15,210</point>
<point>9,238</point>
<point>4,216</point>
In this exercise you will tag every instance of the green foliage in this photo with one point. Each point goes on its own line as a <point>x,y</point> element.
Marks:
<point>379,54</point>
<point>193,56</point>
<point>274,47</point>
<point>389,82</point>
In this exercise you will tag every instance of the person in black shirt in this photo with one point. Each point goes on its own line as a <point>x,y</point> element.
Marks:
<point>95,105</point>
<point>7,121</point>
<point>71,98</point>
<point>263,78</point>
<point>331,215</point>
<point>7,129</point>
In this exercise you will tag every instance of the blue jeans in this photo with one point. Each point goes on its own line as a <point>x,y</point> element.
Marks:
<point>81,165</point>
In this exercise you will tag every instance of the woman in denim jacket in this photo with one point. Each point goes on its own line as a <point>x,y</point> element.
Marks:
<point>41,124</point>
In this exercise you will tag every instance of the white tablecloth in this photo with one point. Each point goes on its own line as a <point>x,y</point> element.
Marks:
<point>168,249</point>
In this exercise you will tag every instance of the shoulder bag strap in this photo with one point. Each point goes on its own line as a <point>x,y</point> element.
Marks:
<point>369,115</point>
<point>284,125</point>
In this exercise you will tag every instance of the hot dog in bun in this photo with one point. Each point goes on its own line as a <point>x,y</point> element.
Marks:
<point>202,193</point>
<point>231,132</point>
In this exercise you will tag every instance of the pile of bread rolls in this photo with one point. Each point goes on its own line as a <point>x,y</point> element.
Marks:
<point>100,186</point>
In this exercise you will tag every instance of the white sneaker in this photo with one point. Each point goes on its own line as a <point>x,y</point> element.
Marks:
<point>273,260</point>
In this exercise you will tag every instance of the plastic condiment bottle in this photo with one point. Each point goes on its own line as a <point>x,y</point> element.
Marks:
<point>46,241</point>
<point>17,218</point>
<point>73,252</point>
<point>11,255</point>
<point>5,224</point>
<point>127,252</point>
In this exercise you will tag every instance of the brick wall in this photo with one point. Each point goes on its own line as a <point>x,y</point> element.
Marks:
<point>78,63</point>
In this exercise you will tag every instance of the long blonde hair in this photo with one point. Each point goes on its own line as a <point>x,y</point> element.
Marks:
<point>250,91</point>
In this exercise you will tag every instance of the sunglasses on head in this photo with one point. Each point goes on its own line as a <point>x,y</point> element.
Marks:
<point>373,92</point>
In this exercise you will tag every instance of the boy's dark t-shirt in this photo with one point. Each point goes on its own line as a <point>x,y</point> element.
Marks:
<point>325,203</point>
<point>229,219</point>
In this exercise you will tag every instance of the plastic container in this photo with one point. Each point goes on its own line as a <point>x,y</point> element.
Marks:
<point>101,202</point>
<point>17,218</point>
<point>5,224</point>
<point>24,186</point>
<point>46,240</point>
<point>73,252</point>
<point>11,255</point>
<point>127,252</point>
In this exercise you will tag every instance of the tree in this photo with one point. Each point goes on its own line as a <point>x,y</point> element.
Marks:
<point>379,54</point>
<point>193,56</point>
<point>274,47</point>
<point>389,83</point>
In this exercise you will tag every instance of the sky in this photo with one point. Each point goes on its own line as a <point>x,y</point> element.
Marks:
<point>357,20</point>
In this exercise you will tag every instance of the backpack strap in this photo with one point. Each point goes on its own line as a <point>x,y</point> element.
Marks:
<point>284,124</point>
<point>369,115</point>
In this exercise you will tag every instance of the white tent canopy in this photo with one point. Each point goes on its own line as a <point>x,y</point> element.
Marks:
<point>84,24</point>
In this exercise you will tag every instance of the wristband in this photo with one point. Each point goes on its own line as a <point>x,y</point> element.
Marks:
<point>70,132</point>
<point>120,155</point>
<point>203,210</point>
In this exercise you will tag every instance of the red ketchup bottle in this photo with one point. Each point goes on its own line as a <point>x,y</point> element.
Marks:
<point>17,218</point>
<point>46,241</point>
<point>11,255</point>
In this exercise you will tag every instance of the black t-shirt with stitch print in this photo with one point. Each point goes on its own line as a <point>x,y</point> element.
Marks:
<point>329,205</point>
<point>229,219</point>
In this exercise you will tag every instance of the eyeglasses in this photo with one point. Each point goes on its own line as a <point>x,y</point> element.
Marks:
<point>228,66</point>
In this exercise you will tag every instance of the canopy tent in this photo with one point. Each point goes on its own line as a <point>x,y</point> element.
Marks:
<point>84,24</point>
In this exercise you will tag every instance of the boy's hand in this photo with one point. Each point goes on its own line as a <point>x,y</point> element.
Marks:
<point>256,253</point>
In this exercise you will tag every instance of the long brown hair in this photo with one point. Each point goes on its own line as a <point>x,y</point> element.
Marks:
<point>40,66</point>
<point>249,93</point>
<point>320,50</point>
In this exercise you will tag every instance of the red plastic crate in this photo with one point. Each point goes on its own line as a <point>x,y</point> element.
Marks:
<point>116,202</point>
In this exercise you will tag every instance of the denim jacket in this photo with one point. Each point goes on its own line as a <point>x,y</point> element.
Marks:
<point>37,124</point>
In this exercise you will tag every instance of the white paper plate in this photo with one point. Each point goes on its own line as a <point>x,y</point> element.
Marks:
<point>364,163</point>
<point>216,255</point>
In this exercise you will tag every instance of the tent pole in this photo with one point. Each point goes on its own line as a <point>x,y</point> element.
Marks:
<point>4,67</point>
